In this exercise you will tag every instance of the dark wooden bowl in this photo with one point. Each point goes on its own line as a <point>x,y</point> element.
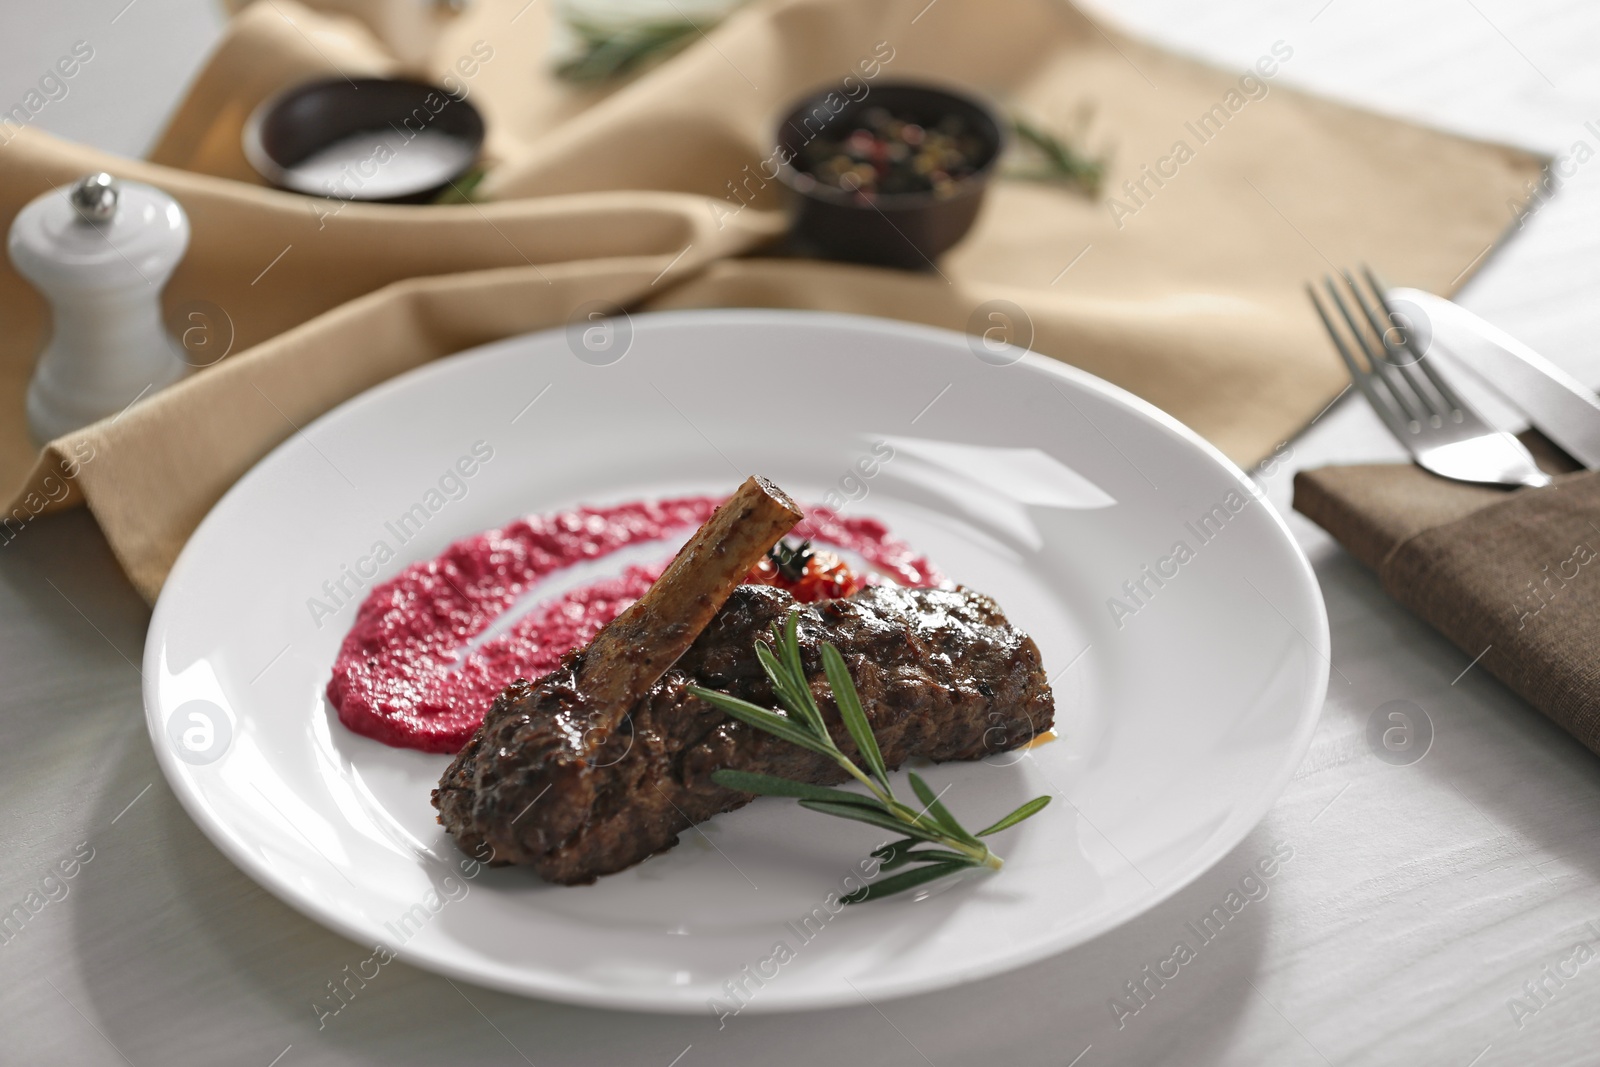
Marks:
<point>908,230</point>
<point>290,129</point>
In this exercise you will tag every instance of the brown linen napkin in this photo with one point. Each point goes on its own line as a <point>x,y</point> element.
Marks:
<point>1183,289</point>
<point>1504,575</point>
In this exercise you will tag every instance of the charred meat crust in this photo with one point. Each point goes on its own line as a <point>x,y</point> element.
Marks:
<point>941,674</point>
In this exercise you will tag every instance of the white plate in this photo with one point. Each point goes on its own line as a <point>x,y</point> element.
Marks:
<point>1034,482</point>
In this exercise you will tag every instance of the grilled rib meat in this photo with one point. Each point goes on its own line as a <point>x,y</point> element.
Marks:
<point>941,674</point>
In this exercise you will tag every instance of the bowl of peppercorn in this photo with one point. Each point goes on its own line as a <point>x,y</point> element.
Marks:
<point>893,177</point>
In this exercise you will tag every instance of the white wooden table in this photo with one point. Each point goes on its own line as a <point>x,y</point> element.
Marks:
<point>1413,925</point>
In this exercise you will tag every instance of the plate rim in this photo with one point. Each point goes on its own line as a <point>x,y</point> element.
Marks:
<point>1308,714</point>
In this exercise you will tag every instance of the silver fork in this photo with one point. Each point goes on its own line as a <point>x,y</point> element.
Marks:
<point>1442,432</point>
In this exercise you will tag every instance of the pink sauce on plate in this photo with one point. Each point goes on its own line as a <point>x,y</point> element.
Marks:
<point>409,673</point>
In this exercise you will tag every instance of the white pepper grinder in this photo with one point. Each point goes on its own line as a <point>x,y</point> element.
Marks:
<point>100,252</point>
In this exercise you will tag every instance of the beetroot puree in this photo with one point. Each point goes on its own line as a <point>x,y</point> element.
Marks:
<point>404,676</point>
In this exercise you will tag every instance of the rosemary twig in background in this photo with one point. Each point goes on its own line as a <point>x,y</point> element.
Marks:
<point>953,847</point>
<point>608,51</point>
<point>1059,158</point>
<point>611,43</point>
<point>461,190</point>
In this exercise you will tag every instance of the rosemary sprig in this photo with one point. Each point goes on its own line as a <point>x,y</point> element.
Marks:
<point>1060,159</point>
<point>954,848</point>
<point>609,49</point>
<point>463,190</point>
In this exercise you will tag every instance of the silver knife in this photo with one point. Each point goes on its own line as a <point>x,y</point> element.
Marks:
<point>1560,406</point>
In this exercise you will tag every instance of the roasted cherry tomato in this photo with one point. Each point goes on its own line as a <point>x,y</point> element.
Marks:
<point>807,574</point>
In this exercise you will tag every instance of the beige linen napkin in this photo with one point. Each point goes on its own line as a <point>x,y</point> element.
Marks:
<point>1182,288</point>
<point>1505,576</point>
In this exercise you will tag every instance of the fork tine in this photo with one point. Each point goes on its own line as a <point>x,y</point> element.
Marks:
<point>1380,290</point>
<point>1362,378</point>
<point>1424,408</point>
<point>1380,367</point>
<point>1401,358</point>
